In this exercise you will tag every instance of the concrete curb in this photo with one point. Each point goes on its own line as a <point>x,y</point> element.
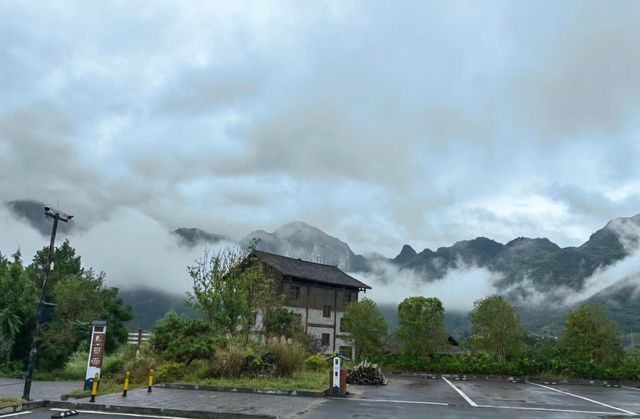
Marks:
<point>157,411</point>
<point>520,379</point>
<point>22,407</point>
<point>299,393</point>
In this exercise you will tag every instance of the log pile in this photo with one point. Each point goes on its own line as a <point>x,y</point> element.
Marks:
<point>366,373</point>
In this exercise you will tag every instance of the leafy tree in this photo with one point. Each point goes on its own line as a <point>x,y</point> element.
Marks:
<point>16,303</point>
<point>421,325</point>
<point>280,322</point>
<point>366,326</point>
<point>496,327</point>
<point>80,296</point>
<point>181,339</point>
<point>229,288</point>
<point>590,338</point>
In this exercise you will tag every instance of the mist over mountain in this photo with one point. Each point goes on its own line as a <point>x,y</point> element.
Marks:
<point>32,212</point>
<point>300,240</point>
<point>543,279</point>
<point>192,237</point>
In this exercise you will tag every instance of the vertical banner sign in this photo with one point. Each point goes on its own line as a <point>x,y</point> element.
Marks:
<point>96,351</point>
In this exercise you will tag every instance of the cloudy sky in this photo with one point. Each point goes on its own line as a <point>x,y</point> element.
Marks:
<point>382,123</point>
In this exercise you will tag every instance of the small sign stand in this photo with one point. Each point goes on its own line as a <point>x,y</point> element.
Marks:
<point>336,376</point>
<point>96,351</point>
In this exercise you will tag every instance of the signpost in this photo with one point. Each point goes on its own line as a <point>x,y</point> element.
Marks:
<point>96,351</point>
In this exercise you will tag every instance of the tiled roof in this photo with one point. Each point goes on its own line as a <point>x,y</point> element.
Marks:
<point>327,274</point>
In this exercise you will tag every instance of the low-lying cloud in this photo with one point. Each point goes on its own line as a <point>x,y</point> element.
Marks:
<point>133,249</point>
<point>457,290</point>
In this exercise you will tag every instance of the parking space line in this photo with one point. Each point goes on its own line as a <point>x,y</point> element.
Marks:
<point>97,412</point>
<point>631,388</point>
<point>461,393</point>
<point>583,398</point>
<point>16,414</point>
<point>395,401</point>
<point>545,409</point>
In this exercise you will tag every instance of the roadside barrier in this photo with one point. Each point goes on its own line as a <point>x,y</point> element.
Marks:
<point>94,388</point>
<point>150,380</point>
<point>125,386</point>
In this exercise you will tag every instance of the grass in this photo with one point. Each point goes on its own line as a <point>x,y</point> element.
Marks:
<point>104,388</point>
<point>307,380</point>
<point>10,401</point>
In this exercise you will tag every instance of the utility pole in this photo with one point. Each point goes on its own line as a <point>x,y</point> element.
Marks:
<point>40,316</point>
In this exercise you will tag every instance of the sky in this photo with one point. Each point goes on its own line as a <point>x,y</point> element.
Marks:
<point>381,123</point>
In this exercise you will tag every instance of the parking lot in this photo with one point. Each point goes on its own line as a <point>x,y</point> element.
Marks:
<point>413,397</point>
<point>404,397</point>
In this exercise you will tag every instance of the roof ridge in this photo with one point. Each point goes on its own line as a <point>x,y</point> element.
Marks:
<point>297,259</point>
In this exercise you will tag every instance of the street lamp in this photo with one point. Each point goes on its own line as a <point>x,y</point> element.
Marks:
<point>42,314</point>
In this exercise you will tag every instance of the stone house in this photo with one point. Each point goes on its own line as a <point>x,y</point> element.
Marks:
<point>317,294</point>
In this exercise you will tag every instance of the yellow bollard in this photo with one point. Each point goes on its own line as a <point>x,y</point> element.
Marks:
<point>94,387</point>
<point>150,380</point>
<point>126,384</point>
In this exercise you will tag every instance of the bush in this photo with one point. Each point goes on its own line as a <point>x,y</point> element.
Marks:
<point>289,356</point>
<point>180,339</point>
<point>317,362</point>
<point>170,372</point>
<point>229,361</point>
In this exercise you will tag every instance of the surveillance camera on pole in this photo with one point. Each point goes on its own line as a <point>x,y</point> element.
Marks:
<point>45,310</point>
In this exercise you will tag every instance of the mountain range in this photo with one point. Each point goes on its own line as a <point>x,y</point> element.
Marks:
<point>523,266</point>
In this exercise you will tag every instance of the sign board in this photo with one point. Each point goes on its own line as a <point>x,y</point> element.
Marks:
<point>96,351</point>
<point>336,375</point>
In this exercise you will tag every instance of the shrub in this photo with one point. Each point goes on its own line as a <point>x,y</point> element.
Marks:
<point>228,362</point>
<point>181,339</point>
<point>289,356</point>
<point>317,362</point>
<point>170,372</point>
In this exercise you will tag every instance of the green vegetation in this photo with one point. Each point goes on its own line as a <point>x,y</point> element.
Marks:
<point>10,401</point>
<point>366,326</point>
<point>591,340</point>
<point>496,328</point>
<point>80,296</point>
<point>421,326</point>
<point>306,380</point>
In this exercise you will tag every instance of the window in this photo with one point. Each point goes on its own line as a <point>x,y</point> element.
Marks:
<point>297,319</point>
<point>346,351</point>
<point>347,298</point>
<point>343,325</point>
<point>326,339</point>
<point>326,311</point>
<point>294,292</point>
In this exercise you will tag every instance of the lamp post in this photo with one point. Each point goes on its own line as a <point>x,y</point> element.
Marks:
<point>40,316</point>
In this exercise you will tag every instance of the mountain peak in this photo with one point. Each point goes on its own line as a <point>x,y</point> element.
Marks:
<point>406,254</point>
<point>191,236</point>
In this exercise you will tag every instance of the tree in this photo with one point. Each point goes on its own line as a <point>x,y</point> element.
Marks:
<point>230,288</point>
<point>182,339</point>
<point>590,338</point>
<point>421,325</point>
<point>17,303</point>
<point>496,327</point>
<point>366,326</point>
<point>80,296</point>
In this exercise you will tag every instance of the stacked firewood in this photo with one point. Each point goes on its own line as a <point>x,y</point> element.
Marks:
<point>366,373</point>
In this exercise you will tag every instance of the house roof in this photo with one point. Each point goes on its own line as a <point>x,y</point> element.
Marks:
<point>311,271</point>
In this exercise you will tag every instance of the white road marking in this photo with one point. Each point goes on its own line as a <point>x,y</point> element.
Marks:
<point>96,412</point>
<point>631,388</point>
<point>394,401</point>
<point>583,398</point>
<point>545,409</point>
<point>460,392</point>
<point>16,414</point>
